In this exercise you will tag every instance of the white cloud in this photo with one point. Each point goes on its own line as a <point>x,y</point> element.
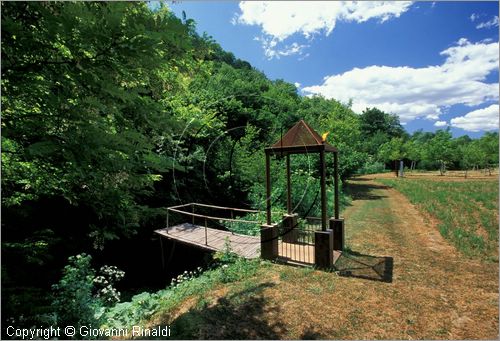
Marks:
<point>297,84</point>
<point>440,124</point>
<point>280,20</point>
<point>432,117</point>
<point>271,51</point>
<point>473,17</point>
<point>481,119</point>
<point>489,24</point>
<point>419,92</point>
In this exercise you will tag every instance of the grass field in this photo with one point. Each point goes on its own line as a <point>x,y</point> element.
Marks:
<point>467,211</point>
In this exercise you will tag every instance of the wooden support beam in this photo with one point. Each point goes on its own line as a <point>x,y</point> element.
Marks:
<point>322,170</point>
<point>336,184</point>
<point>288,186</point>
<point>268,189</point>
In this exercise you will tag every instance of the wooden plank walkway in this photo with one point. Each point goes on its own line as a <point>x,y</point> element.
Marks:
<point>300,254</point>
<point>244,246</point>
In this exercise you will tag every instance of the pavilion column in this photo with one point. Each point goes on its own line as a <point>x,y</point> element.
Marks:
<point>323,240</point>
<point>268,231</point>
<point>336,223</point>
<point>336,183</point>
<point>288,186</point>
<point>323,188</point>
<point>268,189</point>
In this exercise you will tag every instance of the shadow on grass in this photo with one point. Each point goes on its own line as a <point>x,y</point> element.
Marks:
<point>240,315</point>
<point>310,334</point>
<point>357,265</point>
<point>363,191</point>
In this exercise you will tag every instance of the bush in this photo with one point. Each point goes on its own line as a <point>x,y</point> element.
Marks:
<point>372,167</point>
<point>74,302</point>
<point>251,229</point>
<point>226,255</point>
<point>126,314</point>
<point>109,275</point>
<point>81,297</point>
<point>227,268</point>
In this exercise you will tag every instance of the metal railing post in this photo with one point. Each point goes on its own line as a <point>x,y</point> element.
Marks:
<point>206,239</point>
<point>167,220</point>
<point>192,216</point>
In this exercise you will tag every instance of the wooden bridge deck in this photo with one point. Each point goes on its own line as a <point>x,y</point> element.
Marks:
<point>244,246</point>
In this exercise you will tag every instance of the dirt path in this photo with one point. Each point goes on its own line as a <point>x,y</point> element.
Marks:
<point>440,294</point>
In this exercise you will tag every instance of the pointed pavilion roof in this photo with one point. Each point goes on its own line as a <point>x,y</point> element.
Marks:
<point>301,138</point>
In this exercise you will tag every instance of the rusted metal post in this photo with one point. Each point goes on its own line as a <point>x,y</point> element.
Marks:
<point>288,186</point>
<point>336,183</point>
<point>167,220</point>
<point>192,216</point>
<point>268,189</point>
<point>323,188</point>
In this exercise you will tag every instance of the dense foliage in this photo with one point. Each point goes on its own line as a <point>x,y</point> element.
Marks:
<point>112,111</point>
<point>440,150</point>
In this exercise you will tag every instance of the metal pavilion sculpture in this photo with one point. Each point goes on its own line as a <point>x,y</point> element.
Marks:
<point>302,139</point>
<point>208,226</point>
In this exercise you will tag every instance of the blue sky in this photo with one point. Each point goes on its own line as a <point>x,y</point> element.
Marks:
<point>433,64</point>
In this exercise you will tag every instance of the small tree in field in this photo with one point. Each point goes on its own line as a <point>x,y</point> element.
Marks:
<point>469,156</point>
<point>439,149</point>
<point>488,144</point>
<point>413,152</point>
<point>394,150</point>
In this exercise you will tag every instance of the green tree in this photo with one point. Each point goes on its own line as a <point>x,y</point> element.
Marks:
<point>81,116</point>
<point>394,150</point>
<point>471,155</point>
<point>489,145</point>
<point>86,132</point>
<point>413,152</point>
<point>343,126</point>
<point>439,149</point>
<point>374,120</point>
<point>377,128</point>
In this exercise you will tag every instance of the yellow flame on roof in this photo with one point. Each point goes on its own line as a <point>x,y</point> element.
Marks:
<point>324,136</point>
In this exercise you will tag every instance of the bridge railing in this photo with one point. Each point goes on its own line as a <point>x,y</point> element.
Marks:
<point>235,220</point>
<point>294,239</point>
